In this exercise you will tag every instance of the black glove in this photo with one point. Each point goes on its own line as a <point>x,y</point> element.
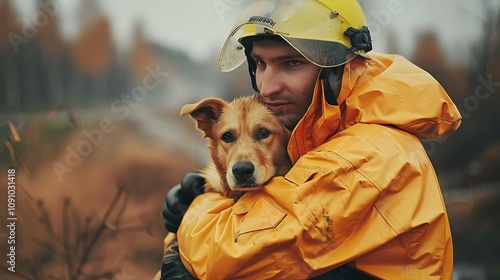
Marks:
<point>344,272</point>
<point>172,267</point>
<point>178,199</point>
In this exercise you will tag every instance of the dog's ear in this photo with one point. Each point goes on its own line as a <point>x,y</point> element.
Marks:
<point>205,113</point>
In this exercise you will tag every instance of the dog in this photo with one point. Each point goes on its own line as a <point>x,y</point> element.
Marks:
<point>247,142</point>
<point>248,146</point>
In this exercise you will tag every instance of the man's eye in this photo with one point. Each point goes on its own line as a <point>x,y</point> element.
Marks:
<point>263,133</point>
<point>259,62</point>
<point>228,137</point>
<point>294,62</point>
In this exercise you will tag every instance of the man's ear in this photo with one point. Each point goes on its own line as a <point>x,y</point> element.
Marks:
<point>205,113</point>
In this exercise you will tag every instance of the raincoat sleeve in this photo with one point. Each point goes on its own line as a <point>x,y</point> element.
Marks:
<point>348,197</point>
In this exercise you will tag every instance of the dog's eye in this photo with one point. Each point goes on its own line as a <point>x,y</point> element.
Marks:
<point>263,134</point>
<point>227,137</point>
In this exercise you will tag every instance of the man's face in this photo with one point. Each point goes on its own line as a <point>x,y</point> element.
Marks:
<point>285,80</point>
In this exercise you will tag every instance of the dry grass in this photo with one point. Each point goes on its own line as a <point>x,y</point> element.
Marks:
<point>99,221</point>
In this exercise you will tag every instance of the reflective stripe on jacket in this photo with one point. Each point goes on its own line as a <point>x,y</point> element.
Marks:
<point>362,191</point>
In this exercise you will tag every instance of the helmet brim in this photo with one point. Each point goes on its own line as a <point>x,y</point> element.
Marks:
<point>308,26</point>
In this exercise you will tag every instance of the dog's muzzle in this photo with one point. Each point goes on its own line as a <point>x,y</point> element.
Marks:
<point>243,173</point>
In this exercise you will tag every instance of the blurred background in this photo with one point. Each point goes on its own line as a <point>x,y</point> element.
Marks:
<point>90,94</point>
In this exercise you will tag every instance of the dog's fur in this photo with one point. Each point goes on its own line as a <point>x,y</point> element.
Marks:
<point>247,144</point>
<point>243,136</point>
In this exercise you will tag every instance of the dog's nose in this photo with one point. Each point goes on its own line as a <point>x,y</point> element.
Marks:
<point>243,170</point>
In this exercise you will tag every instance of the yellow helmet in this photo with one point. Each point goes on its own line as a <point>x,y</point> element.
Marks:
<point>328,33</point>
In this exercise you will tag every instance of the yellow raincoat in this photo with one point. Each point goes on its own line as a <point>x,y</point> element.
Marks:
<point>362,190</point>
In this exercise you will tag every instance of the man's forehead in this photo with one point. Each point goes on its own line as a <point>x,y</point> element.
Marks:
<point>274,49</point>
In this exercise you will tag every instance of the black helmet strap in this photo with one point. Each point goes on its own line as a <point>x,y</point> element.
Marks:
<point>332,84</point>
<point>252,67</point>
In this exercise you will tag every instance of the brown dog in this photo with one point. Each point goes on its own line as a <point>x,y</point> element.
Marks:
<point>247,144</point>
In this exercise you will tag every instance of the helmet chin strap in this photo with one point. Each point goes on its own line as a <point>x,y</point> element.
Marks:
<point>333,82</point>
<point>252,67</point>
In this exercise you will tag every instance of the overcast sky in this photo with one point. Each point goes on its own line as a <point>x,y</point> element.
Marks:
<point>199,27</point>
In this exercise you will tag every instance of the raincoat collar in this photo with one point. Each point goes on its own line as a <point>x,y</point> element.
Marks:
<point>386,90</point>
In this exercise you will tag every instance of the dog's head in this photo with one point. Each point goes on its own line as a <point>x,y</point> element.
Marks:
<point>247,142</point>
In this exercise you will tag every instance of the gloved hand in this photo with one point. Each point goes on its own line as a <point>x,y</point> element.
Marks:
<point>179,198</point>
<point>344,272</point>
<point>172,267</point>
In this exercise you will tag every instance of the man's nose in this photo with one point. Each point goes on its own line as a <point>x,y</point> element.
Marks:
<point>270,82</point>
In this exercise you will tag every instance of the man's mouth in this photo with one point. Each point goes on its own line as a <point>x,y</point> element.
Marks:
<point>276,107</point>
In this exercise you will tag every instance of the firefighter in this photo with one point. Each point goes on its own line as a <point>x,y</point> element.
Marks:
<point>362,198</point>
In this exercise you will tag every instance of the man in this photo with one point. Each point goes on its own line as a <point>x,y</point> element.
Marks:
<point>362,195</point>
